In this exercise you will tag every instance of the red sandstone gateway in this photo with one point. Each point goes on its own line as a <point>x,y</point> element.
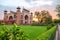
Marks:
<point>24,17</point>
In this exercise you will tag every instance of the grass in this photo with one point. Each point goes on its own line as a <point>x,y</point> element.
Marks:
<point>32,31</point>
<point>48,35</point>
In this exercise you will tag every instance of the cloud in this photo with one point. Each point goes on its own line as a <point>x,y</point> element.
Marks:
<point>21,3</point>
<point>41,3</point>
<point>26,3</point>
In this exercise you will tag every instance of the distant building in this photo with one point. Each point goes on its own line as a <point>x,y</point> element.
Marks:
<point>24,17</point>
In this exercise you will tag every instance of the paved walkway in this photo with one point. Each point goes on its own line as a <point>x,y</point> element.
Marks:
<point>56,37</point>
<point>58,33</point>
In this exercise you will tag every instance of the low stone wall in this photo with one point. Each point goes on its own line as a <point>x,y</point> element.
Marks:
<point>7,22</point>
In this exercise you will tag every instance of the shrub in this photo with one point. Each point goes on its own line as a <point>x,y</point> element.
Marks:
<point>56,21</point>
<point>50,26</point>
<point>49,35</point>
<point>3,23</point>
<point>13,34</point>
<point>39,24</point>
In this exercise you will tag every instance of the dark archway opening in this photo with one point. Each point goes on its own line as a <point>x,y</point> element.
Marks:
<point>11,21</point>
<point>10,18</point>
<point>26,17</point>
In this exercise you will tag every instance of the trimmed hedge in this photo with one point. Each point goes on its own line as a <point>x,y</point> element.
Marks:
<point>49,35</point>
<point>50,26</point>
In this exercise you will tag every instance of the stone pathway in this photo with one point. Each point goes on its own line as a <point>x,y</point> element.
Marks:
<point>58,33</point>
<point>56,37</point>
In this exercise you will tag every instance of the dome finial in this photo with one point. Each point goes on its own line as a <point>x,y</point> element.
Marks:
<point>18,7</point>
<point>5,10</point>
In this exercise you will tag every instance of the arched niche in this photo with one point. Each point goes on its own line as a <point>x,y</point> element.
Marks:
<point>10,18</point>
<point>26,17</point>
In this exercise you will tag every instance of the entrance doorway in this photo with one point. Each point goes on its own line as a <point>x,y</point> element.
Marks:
<point>26,19</point>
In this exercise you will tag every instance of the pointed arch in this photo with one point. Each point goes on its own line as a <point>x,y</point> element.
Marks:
<point>26,17</point>
<point>10,18</point>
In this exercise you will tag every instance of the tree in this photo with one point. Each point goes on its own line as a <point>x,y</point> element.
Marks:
<point>45,16</point>
<point>56,21</point>
<point>58,10</point>
<point>37,14</point>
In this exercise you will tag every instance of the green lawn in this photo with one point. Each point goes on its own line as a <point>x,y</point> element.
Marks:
<point>32,31</point>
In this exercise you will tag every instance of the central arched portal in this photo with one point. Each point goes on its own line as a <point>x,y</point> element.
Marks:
<point>11,21</point>
<point>26,19</point>
<point>10,18</point>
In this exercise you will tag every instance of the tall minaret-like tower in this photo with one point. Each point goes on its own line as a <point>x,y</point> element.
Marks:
<point>18,15</point>
<point>31,18</point>
<point>5,15</point>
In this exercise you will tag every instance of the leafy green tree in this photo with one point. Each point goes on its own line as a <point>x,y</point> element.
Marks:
<point>58,10</point>
<point>56,21</point>
<point>45,16</point>
<point>38,15</point>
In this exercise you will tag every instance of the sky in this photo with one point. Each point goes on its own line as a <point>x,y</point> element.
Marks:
<point>31,5</point>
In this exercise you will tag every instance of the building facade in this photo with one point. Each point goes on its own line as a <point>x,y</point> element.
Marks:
<point>24,17</point>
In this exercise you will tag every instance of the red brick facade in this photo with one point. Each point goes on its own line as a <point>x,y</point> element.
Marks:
<point>24,17</point>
